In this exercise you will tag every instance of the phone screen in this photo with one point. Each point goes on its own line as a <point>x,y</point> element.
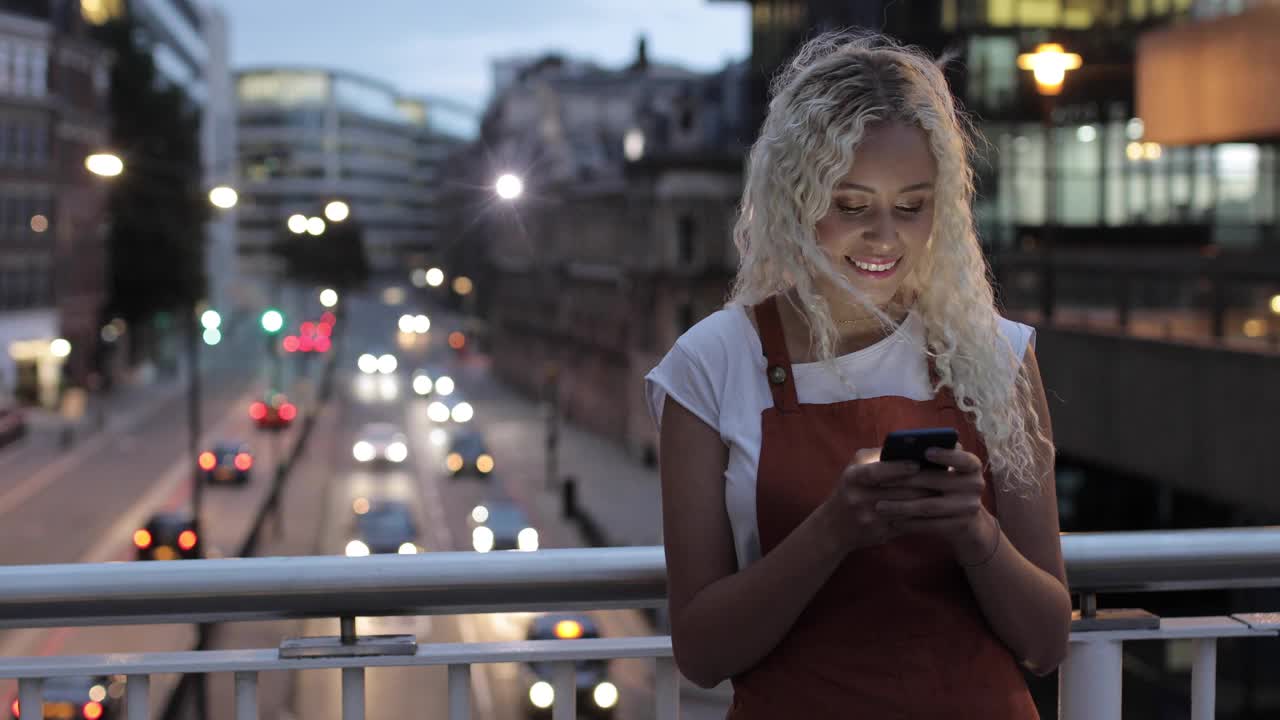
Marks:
<point>912,444</point>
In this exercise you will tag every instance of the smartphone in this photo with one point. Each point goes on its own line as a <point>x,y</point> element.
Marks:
<point>911,444</point>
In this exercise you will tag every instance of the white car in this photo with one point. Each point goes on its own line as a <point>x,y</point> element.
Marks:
<point>381,442</point>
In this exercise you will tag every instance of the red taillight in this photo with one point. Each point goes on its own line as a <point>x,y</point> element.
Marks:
<point>290,343</point>
<point>14,708</point>
<point>328,318</point>
<point>324,329</point>
<point>244,461</point>
<point>187,539</point>
<point>142,539</point>
<point>308,329</point>
<point>322,344</point>
<point>207,461</point>
<point>92,710</point>
<point>288,411</point>
<point>306,344</point>
<point>258,410</point>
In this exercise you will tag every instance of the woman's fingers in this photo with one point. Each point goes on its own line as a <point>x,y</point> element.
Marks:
<point>934,506</point>
<point>957,459</point>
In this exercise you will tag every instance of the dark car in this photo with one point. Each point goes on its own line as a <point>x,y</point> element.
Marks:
<point>79,698</point>
<point>385,526</point>
<point>468,454</point>
<point>597,696</point>
<point>275,412</point>
<point>500,524</point>
<point>168,536</point>
<point>227,462</point>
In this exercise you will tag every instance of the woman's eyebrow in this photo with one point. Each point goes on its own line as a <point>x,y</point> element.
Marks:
<point>843,185</point>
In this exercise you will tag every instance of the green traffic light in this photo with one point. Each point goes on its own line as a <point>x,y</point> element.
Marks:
<point>272,321</point>
<point>210,320</point>
<point>212,336</point>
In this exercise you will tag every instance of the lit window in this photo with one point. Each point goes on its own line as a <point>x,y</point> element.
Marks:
<point>99,12</point>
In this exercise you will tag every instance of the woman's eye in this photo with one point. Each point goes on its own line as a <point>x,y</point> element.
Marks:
<point>852,210</point>
<point>910,208</point>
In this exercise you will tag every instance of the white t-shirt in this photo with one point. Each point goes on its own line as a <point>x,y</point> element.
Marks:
<point>717,371</point>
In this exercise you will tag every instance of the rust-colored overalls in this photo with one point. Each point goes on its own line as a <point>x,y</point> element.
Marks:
<point>896,631</point>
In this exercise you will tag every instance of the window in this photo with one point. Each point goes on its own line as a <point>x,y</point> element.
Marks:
<point>39,71</point>
<point>20,75</point>
<point>39,145</point>
<point>4,142</point>
<point>6,51</point>
<point>21,143</point>
<point>686,229</point>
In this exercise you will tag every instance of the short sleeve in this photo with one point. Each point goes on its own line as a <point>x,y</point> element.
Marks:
<point>686,381</point>
<point>1020,337</point>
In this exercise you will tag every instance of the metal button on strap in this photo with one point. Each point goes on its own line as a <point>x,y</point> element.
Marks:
<point>777,374</point>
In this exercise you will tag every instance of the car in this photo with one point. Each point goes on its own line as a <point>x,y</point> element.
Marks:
<point>226,462</point>
<point>428,382</point>
<point>377,363</point>
<point>453,408</point>
<point>597,696</point>
<point>73,698</point>
<point>468,453</point>
<point>380,442</point>
<point>500,524</point>
<point>275,412</point>
<point>382,526</point>
<point>168,535</point>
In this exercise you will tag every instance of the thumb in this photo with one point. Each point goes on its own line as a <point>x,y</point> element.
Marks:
<point>865,456</point>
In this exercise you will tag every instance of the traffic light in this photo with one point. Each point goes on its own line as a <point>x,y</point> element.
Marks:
<point>272,321</point>
<point>212,323</point>
<point>212,336</point>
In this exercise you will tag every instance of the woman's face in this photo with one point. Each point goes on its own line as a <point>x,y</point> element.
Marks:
<point>881,212</point>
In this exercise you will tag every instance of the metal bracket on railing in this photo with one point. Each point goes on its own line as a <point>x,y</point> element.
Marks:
<point>347,644</point>
<point>1089,617</point>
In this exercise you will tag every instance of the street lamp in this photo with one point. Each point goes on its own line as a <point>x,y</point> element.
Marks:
<point>435,277</point>
<point>1049,65</point>
<point>297,224</point>
<point>104,164</point>
<point>60,348</point>
<point>328,297</point>
<point>315,226</point>
<point>224,197</point>
<point>337,211</point>
<point>509,186</point>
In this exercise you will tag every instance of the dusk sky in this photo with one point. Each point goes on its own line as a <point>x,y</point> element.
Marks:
<point>444,47</point>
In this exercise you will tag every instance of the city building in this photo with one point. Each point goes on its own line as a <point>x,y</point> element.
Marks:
<point>622,238</point>
<point>52,252</point>
<point>308,136</point>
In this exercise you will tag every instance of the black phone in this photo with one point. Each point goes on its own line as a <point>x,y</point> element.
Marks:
<point>911,445</point>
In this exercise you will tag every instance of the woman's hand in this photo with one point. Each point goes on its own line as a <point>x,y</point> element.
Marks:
<point>865,482</point>
<point>951,507</point>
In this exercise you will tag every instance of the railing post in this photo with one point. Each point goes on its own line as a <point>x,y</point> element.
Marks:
<point>353,693</point>
<point>564,681</point>
<point>30,697</point>
<point>459,692</point>
<point>246,696</point>
<point>1089,681</point>
<point>1204,679</point>
<point>667,691</point>
<point>138,696</point>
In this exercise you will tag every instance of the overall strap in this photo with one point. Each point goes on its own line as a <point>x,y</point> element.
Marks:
<point>778,361</point>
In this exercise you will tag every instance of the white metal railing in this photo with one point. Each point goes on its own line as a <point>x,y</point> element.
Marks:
<point>576,579</point>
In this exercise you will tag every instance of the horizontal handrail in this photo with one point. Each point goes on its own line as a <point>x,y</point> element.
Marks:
<point>192,591</point>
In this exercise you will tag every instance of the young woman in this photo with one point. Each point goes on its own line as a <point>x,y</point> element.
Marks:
<point>825,582</point>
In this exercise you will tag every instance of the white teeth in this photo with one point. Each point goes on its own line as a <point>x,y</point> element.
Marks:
<point>873,268</point>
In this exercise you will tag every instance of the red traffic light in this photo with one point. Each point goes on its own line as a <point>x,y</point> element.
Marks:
<point>322,344</point>
<point>329,318</point>
<point>306,344</point>
<point>324,329</point>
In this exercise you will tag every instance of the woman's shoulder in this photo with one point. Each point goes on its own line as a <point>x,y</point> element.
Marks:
<point>1020,336</point>
<point>722,334</point>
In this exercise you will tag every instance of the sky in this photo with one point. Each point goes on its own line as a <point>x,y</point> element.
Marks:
<point>445,47</point>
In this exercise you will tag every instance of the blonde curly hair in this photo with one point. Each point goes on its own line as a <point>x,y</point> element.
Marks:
<point>822,103</point>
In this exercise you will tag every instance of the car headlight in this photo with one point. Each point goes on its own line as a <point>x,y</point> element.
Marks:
<point>438,412</point>
<point>454,462</point>
<point>482,539</point>
<point>462,412</point>
<point>368,364</point>
<point>527,540</point>
<point>444,385</point>
<point>397,452</point>
<point>480,513</point>
<point>422,385</point>
<point>484,463</point>
<point>363,451</point>
<point>387,364</point>
<point>408,549</point>
<point>605,695</point>
<point>542,695</point>
<point>355,548</point>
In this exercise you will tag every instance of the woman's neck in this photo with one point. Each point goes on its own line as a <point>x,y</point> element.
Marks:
<point>856,326</point>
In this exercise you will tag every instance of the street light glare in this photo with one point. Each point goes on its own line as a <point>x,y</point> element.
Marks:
<point>60,348</point>
<point>104,164</point>
<point>210,320</point>
<point>1049,64</point>
<point>328,297</point>
<point>224,197</point>
<point>297,224</point>
<point>509,186</point>
<point>337,211</point>
<point>435,277</point>
<point>315,226</point>
<point>463,285</point>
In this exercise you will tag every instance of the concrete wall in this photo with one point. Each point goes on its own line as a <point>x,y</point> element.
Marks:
<point>1203,420</point>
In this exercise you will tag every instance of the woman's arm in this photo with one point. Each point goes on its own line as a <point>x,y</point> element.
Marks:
<point>724,621</point>
<point>1022,590</point>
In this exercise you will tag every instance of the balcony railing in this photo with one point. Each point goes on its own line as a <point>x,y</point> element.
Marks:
<point>577,579</point>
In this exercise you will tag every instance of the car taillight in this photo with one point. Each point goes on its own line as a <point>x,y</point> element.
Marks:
<point>288,411</point>
<point>207,461</point>
<point>290,343</point>
<point>187,539</point>
<point>142,539</point>
<point>14,708</point>
<point>244,461</point>
<point>323,343</point>
<point>92,710</point>
<point>258,410</point>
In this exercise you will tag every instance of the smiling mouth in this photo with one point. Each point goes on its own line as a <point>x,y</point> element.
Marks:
<point>877,269</point>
